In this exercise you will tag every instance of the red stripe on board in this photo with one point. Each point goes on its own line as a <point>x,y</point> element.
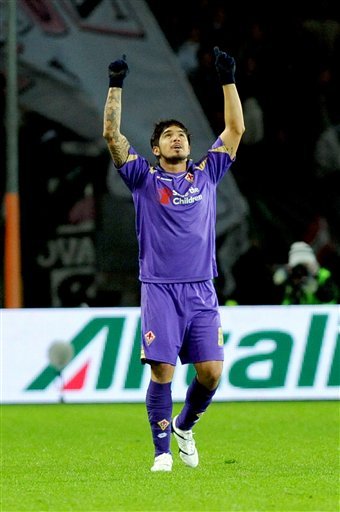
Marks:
<point>77,382</point>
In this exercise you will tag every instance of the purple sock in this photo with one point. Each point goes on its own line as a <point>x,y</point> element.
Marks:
<point>197,399</point>
<point>159,408</point>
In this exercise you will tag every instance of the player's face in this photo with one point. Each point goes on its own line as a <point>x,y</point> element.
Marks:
<point>173,145</point>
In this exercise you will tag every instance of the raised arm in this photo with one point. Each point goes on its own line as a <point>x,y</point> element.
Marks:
<point>233,114</point>
<point>117,143</point>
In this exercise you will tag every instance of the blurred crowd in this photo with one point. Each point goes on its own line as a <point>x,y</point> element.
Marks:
<point>288,164</point>
<point>287,168</point>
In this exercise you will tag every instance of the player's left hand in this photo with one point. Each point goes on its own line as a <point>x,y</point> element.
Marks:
<point>225,66</point>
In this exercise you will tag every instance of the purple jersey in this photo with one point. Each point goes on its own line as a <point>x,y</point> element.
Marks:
<point>176,216</point>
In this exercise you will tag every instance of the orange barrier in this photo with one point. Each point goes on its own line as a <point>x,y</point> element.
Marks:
<point>12,257</point>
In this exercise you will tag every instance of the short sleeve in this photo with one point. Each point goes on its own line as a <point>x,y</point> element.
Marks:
<point>135,169</point>
<point>217,162</point>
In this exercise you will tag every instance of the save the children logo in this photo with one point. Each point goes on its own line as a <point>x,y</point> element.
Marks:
<point>188,197</point>
<point>167,195</point>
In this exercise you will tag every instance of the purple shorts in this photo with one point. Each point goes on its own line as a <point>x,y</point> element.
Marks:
<point>181,320</point>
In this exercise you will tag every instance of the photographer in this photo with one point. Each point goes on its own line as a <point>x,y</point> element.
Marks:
<point>303,281</point>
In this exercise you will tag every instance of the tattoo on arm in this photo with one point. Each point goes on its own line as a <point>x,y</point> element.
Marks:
<point>119,150</point>
<point>117,143</point>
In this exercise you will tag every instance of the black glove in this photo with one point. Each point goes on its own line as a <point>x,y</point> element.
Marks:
<point>118,70</point>
<point>225,66</point>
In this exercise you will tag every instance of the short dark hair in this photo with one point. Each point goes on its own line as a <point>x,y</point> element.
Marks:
<point>163,125</point>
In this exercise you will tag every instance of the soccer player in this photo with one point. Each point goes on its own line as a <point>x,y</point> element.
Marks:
<point>175,204</point>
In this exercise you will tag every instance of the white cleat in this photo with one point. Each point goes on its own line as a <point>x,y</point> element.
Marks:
<point>186,444</point>
<point>163,462</point>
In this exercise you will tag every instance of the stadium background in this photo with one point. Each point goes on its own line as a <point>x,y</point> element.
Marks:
<point>77,225</point>
<point>78,249</point>
<point>77,221</point>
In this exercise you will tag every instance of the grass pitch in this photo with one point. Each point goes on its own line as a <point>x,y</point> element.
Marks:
<point>261,456</point>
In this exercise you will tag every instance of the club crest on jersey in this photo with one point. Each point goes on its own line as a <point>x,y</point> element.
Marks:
<point>149,337</point>
<point>163,424</point>
<point>189,177</point>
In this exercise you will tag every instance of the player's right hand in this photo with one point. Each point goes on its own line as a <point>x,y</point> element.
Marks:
<point>118,70</point>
